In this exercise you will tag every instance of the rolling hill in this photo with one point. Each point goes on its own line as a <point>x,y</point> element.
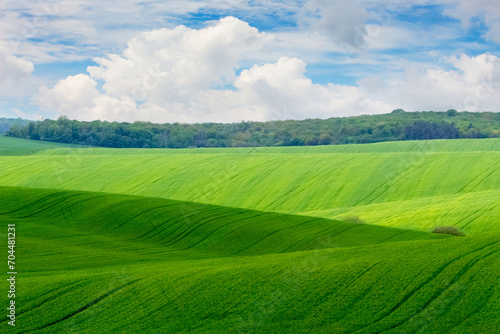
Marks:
<point>416,185</point>
<point>10,146</point>
<point>172,226</point>
<point>99,263</point>
<point>245,240</point>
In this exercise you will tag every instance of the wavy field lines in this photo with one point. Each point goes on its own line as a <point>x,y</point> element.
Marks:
<point>79,220</point>
<point>394,287</point>
<point>324,185</point>
<point>476,213</point>
<point>251,240</point>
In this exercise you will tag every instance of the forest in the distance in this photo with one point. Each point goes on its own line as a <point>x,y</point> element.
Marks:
<point>396,126</point>
<point>7,123</point>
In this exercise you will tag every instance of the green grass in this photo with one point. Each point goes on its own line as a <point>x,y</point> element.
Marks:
<point>448,286</point>
<point>252,241</point>
<point>418,189</point>
<point>16,146</point>
<point>75,219</point>
<point>103,263</point>
<point>456,145</point>
<point>475,212</point>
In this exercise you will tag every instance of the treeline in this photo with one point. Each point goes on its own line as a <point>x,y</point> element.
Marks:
<point>398,125</point>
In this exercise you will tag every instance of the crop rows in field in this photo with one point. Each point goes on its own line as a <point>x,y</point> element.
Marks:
<point>85,278</point>
<point>204,254</point>
<point>446,188</point>
<point>476,213</point>
<point>79,219</point>
<point>457,145</point>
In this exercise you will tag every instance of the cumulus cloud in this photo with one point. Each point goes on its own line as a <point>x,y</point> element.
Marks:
<point>73,93</point>
<point>77,97</point>
<point>178,60</point>
<point>189,75</point>
<point>282,90</point>
<point>470,86</point>
<point>166,71</point>
<point>13,69</point>
<point>194,75</point>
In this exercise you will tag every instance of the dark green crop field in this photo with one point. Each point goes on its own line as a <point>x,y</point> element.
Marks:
<point>330,239</point>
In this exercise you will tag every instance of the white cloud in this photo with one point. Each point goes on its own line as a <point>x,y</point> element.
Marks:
<point>12,69</point>
<point>282,90</point>
<point>77,97</point>
<point>190,75</point>
<point>75,29</point>
<point>471,86</point>
<point>163,63</point>
<point>90,25</point>
<point>73,93</point>
<point>167,71</point>
<point>181,74</point>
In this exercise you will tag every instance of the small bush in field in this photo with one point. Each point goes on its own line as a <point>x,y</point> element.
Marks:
<point>353,220</point>
<point>449,230</point>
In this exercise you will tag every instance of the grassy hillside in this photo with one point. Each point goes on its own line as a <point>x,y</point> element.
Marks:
<point>16,146</point>
<point>101,263</point>
<point>456,145</point>
<point>171,226</point>
<point>448,286</point>
<point>411,185</point>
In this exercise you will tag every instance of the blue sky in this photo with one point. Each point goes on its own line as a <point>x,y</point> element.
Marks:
<point>227,61</point>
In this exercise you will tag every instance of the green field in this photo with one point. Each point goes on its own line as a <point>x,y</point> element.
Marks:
<point>457,145</point>
<point>251,240</point>
<point>15,146</point>
<point>417,185</point>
